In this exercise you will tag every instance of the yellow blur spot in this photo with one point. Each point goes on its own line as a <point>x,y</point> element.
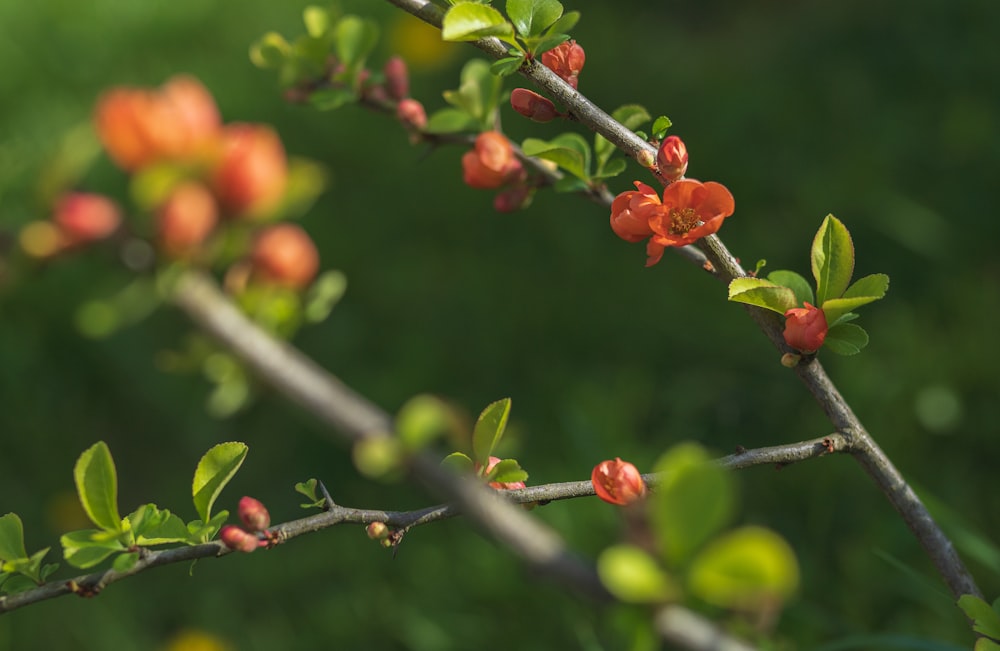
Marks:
<point>195,640</point>
<point>419,44</point>
<point>41,239</point>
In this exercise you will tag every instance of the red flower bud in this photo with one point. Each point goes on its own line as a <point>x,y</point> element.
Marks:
<point>672,158</point>
<point>618,482</point>
<point>238,540</point>
<point>284,254</point>
<point>83,217</point>
<point>492,163</point>
<point>511,199</point>
<point>251,173</point>
<point>253,514</point>
<point>566,60</point>
<point>533,106</point>
<point>412,114</point>
<point>501,485</point>
<point>397,81</point>
<point>186,219</point>
<point>805,328</point>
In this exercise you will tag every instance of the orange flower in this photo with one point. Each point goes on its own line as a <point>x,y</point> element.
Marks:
<point>805,328</point>
<point>690,211</point>
<point>252,171</point>
<point>566,60</point>
<point>492,163</point>
<point>618,482</point>
<point>631,211</point>
<point>284,254</point>
<point>186,219</point>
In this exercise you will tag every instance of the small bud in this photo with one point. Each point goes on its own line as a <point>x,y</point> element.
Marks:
<point>412,114</point>
<point>805,328</point>
<point>377,531</point>
<point>672,158</point>
<point>790,360</point>
<point>646,158</point>
<point>513,198</point>
<point>618,482</point>
<point>237,539</point>
<point>285,255</point>
<point>185,219</point>
<point>253,514</point>
<point>397,80</point>
<point>83,217</point>
<point>533,106</point>
<point>251,173</point>
<point>566,60</point>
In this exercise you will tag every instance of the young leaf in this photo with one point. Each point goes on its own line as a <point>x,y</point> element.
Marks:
<point>569,151</point>
<point>317,20</point>
<point>11,538</point>
<point>478,93</point>
<point>489,430</point>
<point>564,24</point>
<point>152,526</point>
<point>97,486</point>
<point>660,126</point>
<point>308,488</point>
<point>458,462</point>
<point>745,569</point>
<point>421,420</point>
<point>506,66</point>
<point>88,547</point>
<point>355,37</point>
<point>332,98</point>
<point>508,470</point>
<point>867,290</point>
<point>985,619</point>
<point>762,293</point>
<point>796,283</point>
<point>630,116</point>
<point>532,17</point>
<point>832,259</point>
<point>450,120</point>
<point>846,339</point>
<point>214,471</point>
<point>694,501</point>
<point>632,576</point>
<point>540,44</point>
<point>270,51</point>
<point>125,562</point>
<point>612,168</point>
<point>470,22</point>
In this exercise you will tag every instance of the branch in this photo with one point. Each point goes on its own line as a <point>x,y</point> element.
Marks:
<point>726,268</point>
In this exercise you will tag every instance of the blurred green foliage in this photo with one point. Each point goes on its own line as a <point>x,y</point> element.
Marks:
<point>884,114</point>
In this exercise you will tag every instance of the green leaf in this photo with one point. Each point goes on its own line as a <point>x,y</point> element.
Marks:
<point>570,184</point>
<point>796,283</point>
<point>569,151</point>
<point>506,471</point>
<point>632,576</point>
<point>506,66</point>
<point>88,547</point>
<point>125,562</point>
<point>97,486</point>
<point>332,98</point>
<point>631,116</point>
<point>985,620</point>
<point>11,538</point>
<point>846,339</point>
<point>489,430</point>
<point>746,569</point>
<point>214,471</point>
<point>201,532</point>
<point>152,526</point>
<point>270,51</point>
<point>866,290</point>
<point>460,463</point>
<point>538,45</point>
<point>832,259</point>
<point>762,293</point>
<point>471,22</point>
<point>660,126</point>
<point>983,644</point>
<point>450,120</point>
<point>612,168</point>
<point>423,419</point>
<point>308,488</point>
<point>694,500</point>
<point>354,39</point>
<point>478,93</point>
<point>317,20</point>
<point>532,17</point>
<point>323,295</point>
<point>564,24</point>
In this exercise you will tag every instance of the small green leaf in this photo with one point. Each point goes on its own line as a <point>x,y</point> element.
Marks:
<point>569,151</point>
<point>985,619</point>
<point>694,500</point>
<point>631,116</point>
<point>489,430</point>
<point>631,575</point>
<point>762,293</point>
<point>354,39</point>
<point>88,547</point>
<point>332,98</point>
<point>11,538</point>
<point>152,526</point>
<point>308,488</point>
<point>846,339</point>
<point>270,51</point>
<point>866,290</point>
<point>832,259</point>
<point>125,562</point>
<point>796,283</point>
<point>460,463</point>
<point>478,93</point>
<point>506,471</point>
<point>422,420</point>
<point>984,644</point>
<point>323,295</point>
<point>97,486</point>
<point>570,184</point>
<point>201,532</point>
<point>450,120</point>
<point>564,24</point>
<point>532,17</point>
<point>660,126</point>
<point>538,45</point>
<point>317,20</point>
<point>214,471</point>
<point>470,22</point>
<point>746,569</point>
<point>612,168</point>
<point>506,66</point>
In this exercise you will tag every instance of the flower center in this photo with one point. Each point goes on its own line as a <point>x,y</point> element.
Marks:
<point>681,221</point>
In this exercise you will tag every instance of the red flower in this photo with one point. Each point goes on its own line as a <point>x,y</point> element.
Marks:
<point>631,211</point>
<point>84,217</point>
<point>492,163</point>
<point>509,485</point>
<point>672,158</point>
<point>566,60</point>
<point>252,171</point>
<point>805,328</point>
<point>690,211</point>
<point>618,482</point>
<point>285,255</point>
<point>186,219</point>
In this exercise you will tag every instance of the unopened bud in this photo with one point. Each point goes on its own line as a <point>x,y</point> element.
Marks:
<point>377,531</point>
<point>254,514</point>
<point>284,254</point>
<point>412,114</point>
<point>237,539</point>
<point>513,198</point>
<point>672,158</point>
<point>646,158</point>
<point>84,217</point>
<point>533,106</point>
<point>790,360</point>
<point>397,81</point>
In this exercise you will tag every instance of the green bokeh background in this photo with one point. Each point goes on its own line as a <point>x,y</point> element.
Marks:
<point>884,114</point>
